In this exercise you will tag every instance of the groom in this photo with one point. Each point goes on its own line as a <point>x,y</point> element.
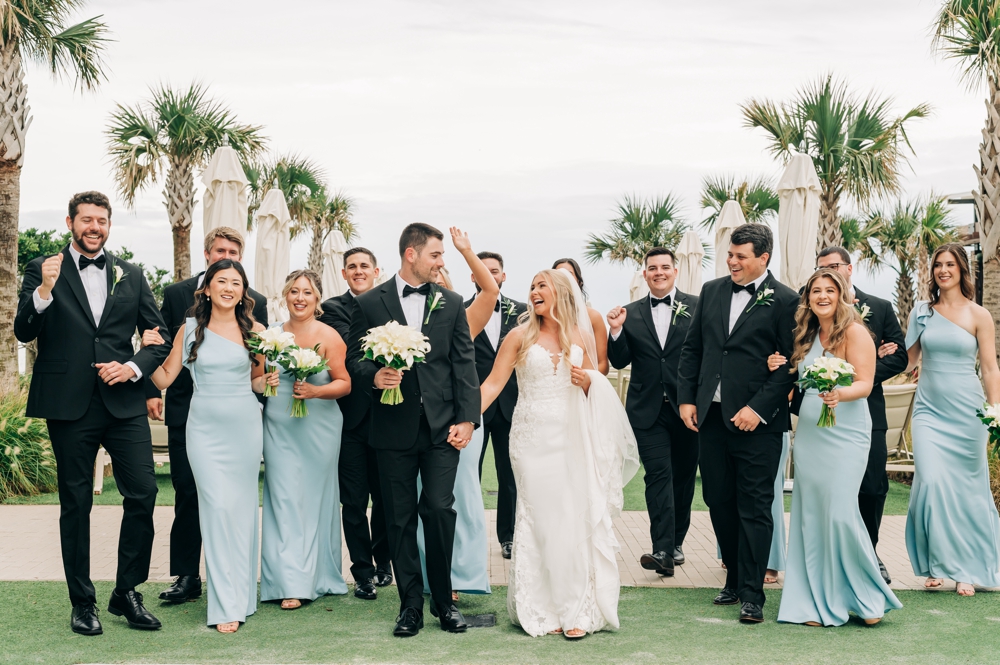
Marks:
<point>739,407</point>
<point>425,433</point>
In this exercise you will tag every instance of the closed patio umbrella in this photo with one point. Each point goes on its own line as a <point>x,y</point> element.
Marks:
<point>225,191</point>
<point>271,260</point>
<point>637,288</point>
<point>690,253</point>
<point>798,220</point>
<point>334,247</point>
<point>730,217</point>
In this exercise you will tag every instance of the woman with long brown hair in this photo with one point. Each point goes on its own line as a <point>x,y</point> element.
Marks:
<point>952,527</point>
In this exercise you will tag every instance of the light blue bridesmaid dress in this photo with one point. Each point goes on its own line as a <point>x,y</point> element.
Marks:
<point>952,527</point>
<point>300,545</point>
<point>224,443</point>
<point>470,553</point>
<point>831,569</point>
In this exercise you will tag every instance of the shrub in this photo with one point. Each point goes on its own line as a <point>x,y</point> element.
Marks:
<point>27,465</point>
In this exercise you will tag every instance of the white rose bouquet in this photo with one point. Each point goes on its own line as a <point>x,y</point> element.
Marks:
<point>990,415</point>
<point>302,363</point>
<point>824,375</point>
<point>273,344</point>
<point>396,346</point>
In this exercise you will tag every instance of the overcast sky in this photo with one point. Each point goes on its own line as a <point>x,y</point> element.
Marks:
<point>522,122</point>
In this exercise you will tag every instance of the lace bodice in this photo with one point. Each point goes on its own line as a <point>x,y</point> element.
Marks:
<point>540,381</point>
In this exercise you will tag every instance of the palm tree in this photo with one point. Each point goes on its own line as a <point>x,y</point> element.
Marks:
<point>638,227</point>
<point>169,136</point>
<point>332,212</point>
<point>935,229</point>
<point>756,197</point>
<point>299,179</point>
<point>37,32</point>
<point>856,144</point>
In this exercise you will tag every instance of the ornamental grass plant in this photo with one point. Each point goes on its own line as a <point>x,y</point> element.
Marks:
<point>27,465</point>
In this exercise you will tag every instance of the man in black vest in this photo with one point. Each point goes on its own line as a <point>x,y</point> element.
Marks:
<point>739,407</point>
<point>497,419</point>
<point>649,334</point>
<point>371,564</point>
<point>83,306</point>
<point>185,533</point>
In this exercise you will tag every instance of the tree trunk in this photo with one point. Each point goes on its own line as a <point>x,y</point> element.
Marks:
<point>10,197</point>
<point>315,262</point>
<point>904,299</point>
<point>829,219</point>
<point>178,196</point>
<point>988,203</point>
<point>923,273</point>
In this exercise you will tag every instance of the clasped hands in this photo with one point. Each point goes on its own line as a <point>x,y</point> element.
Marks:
<point>115,372</point>
<point>459,435</point>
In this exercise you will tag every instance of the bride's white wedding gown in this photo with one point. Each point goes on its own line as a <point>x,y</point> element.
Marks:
<point>571,454</point>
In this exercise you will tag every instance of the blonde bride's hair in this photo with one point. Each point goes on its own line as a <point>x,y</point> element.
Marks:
<point>564,311</point>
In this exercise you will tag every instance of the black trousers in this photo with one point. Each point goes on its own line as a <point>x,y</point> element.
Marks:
<point>669,454</point>
<point>737,474</point>
<point>437,464</point>
<point>128,442</point>
<point>497,431</point>
<point>185,532</point>
<point>874,486</point>
<point>359,480</point>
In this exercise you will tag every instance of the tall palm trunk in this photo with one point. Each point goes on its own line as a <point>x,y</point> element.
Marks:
<point>178,196</point>
<point>315,262</point>
<point>904,298</point>
<point>988,202</point>
<point>923,273</point>
<point>829,219</point>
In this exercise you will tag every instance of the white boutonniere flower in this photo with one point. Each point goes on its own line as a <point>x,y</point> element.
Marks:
<point>118,274</point>
<point>864,310</point>
<point>764,297</point>
<point>509,310</point>
<point>680,309</point>
<point>435,305</point>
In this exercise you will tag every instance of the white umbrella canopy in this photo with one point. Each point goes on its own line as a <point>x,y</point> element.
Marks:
<point>334,247</point>
<point>271,260</point>
<point>225,191</point>
<point>637,288</point>
<point>690,253</point>
<point>730,217</point>
<point>798,220</point>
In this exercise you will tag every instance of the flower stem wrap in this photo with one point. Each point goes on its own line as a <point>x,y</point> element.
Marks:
<point>398,347</point>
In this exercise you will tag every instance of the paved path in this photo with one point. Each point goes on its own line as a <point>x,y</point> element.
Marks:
<point>29,548</point>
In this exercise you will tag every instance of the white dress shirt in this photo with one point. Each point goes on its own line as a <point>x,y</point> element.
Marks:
<point>662,318</point>
<point>413,304</point>
<point>739,304</point>
<point>493,327</point>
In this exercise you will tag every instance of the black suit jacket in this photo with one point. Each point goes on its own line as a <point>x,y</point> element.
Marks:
<point>739,359</point>
<point>654,369</point>
<point>337,314</point>
<point>70,343</point>
<point>445,387</point>
<point>178,299</point>
<point>486,355</point>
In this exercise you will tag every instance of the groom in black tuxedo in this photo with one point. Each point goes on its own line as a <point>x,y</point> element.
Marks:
<point>649,334</point>
<point>425,433</point>
<point>83,306</point>
<point>739,407</point>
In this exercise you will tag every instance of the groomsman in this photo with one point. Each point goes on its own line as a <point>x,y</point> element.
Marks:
<point>649,334</point>
<point>185,533</point>
<point>371,564</point>
<point>83,305</point>
<point>739,407</point>
<point>497,419</point>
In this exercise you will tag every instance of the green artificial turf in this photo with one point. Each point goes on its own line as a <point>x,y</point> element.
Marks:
<point>657,626</point>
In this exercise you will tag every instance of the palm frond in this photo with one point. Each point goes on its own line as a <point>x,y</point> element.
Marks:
<point>969,31</point>
<point>638,227</point>
<point>300,179</point>
<point>136,156</point>
<point>756,197</point>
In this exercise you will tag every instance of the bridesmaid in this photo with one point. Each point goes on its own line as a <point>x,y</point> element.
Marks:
<point>776,559</point>
<point>224,435</point>
<point>831,569</point>
<point>952,527</point>
<point>300,545</point>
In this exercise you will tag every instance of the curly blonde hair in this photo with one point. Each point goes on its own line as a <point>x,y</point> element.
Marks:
<point>314,281</point>
<point>563,310</point>
<point>807,323</point>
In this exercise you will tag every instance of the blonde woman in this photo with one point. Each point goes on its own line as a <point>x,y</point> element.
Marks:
<point>572,451</point>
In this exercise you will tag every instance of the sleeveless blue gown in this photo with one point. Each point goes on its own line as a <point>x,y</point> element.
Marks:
<point>831,569</point>
<point>952,527</point>
<point>224,444</point>
<point>300,545</point>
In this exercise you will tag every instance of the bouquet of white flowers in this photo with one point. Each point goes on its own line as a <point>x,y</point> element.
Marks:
<point>273,344</point>
<point>302,363</point>
<point>990,415</point>
<point>824,375</point>
<point>396,346</point>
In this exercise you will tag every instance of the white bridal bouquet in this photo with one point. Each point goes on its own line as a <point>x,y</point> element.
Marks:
<point>990,415</point>
<point>824,375</point>
<point>272,343</point>
<point>302,363</point>
<point>396,346</point>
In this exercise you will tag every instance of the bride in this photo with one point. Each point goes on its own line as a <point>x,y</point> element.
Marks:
<point>572,452</point>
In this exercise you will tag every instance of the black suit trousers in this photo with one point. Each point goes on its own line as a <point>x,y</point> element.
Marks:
<point>669,454</point>
<point>359,480</point>
<point>737,473</point>
<point>185,532</point>
<point>128,442</point>
<point>874,486</point>
<point>497,433</point>
<point>437,464</point>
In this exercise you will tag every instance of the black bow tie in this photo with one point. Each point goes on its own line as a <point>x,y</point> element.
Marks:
<point>749,288</point>
<point>100,261</point>
<point>496,308</point>
<point>423,289</point>
<point>659,301</point>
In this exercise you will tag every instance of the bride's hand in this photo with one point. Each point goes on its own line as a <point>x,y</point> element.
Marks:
<point>580,378</point>
<point>775,360</point>
<point>831,399</point>
<point>460,239</point>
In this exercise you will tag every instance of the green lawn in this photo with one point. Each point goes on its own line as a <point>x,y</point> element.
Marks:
<point>658,626</point>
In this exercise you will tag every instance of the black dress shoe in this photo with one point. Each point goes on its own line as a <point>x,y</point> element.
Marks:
<point>727,597</point>
<point>365,590</point>
<point>751,613</point>
<point>661,562</point>
<point>84,620</point>
<point>451,619</point>
<point>679,556</point>
<point>383,576</point>
<point>184,588</point>
<point>505,549</point>
<point>883,571</point>
<point>129,605</point>
<point>408,623</point>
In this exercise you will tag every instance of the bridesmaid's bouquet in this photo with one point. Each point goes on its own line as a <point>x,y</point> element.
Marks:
<point>396,346</point>
<point>824,375</point>
<point>990,415</point>
<point>273,344</point>
<point>302,363</point>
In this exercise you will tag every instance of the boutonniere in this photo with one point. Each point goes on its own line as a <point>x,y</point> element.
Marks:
<point>680,309</point>
<point>764,297</point>
<point>864,310</point>
<point>435,305</point>
<point>117,273</point>
<point>509,310</point>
